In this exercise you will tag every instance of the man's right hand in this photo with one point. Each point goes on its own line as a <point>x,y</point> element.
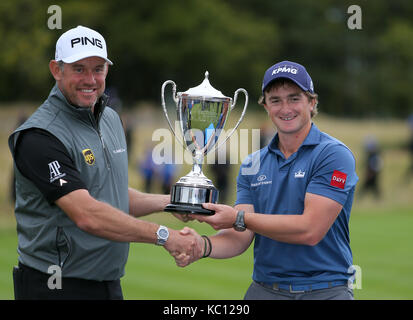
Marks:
<point>186,246</point>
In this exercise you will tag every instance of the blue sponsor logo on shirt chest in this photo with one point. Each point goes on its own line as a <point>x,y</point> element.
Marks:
<point>261,180</point>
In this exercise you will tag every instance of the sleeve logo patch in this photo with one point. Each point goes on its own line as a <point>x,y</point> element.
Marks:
<point>89,157</point>
<point>54,170</point>
<point>338,179</point>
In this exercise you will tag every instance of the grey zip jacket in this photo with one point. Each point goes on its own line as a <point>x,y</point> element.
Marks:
<point>46,235</point>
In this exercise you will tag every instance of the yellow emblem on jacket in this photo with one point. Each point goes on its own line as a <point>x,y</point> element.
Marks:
<point>89,157</point>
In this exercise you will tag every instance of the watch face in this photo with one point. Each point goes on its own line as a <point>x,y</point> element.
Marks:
<point>163,233</point>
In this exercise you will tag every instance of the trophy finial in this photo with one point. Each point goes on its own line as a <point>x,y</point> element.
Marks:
<point>204,90</point>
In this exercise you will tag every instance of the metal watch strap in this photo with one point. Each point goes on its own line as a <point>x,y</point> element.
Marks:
<point>162,235</point>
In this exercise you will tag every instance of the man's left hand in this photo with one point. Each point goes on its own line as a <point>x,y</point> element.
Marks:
<point>223,218</point>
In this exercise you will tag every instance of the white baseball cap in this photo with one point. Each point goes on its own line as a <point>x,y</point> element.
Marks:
<point>79,43</point>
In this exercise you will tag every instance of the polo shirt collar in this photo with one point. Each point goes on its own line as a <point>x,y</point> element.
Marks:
<point>313,138</point>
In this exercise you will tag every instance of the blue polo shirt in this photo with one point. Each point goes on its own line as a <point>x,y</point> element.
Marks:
<point>274,185</point>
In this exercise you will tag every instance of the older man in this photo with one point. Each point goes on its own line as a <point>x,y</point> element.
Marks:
<point>74,208</point>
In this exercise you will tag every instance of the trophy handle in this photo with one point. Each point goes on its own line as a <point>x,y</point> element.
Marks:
<point>176,100</point>
<point>242,114</point>
<point>163,101</point>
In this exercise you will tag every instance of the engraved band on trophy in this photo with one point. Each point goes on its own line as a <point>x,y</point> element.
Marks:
<point>202,112</point>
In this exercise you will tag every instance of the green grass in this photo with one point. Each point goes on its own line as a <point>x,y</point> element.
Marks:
<point>381,243</point>
<point>380,240</point>
<point>8,258</point>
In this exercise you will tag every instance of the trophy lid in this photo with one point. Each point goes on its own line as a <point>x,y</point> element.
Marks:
<point>205,90</point>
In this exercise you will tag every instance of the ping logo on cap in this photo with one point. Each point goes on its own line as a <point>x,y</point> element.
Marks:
<point>338,179</point>
<point>79,43</point>
<point>89,157</point>
<point>85,40</point>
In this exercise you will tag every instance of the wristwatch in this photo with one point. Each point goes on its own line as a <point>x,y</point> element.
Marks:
<point>239,224</point>
<point>162,235</point>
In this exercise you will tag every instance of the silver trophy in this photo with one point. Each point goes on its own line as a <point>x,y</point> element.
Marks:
<point>201,112</point>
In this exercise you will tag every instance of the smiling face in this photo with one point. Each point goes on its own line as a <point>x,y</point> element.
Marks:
<point>81,82</point>
<point>289,108</point>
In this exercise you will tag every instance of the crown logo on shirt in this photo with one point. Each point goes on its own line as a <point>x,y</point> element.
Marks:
<point>299,174</point>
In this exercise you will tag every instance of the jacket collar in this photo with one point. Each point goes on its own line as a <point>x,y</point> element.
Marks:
<point>58,100</point>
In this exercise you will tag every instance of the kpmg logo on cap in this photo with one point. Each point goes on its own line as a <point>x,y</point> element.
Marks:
<point>285,69</point>
<point>290,70</point>
<point>85,40</point>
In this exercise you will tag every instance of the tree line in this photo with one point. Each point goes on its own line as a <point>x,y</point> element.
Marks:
<point>362,72</point>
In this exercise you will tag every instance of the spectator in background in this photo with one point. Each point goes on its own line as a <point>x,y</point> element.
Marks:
<point>128,127</point>
<point>221,171</point>
<point>114,100</point>
<point>116,103</point>
<point>373,167</point>
<point>147,169</point>
<point>167,175</point>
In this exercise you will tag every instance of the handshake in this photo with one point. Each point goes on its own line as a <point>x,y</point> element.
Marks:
<point>187,246</point>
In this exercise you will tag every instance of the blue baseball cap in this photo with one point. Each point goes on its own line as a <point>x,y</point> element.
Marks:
<point>290,70</point>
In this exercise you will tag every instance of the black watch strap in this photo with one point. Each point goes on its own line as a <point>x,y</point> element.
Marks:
<point>239,224</point>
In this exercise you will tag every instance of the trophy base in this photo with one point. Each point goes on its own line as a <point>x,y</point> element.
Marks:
<point>188,209</point>
<point>187,199</point>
